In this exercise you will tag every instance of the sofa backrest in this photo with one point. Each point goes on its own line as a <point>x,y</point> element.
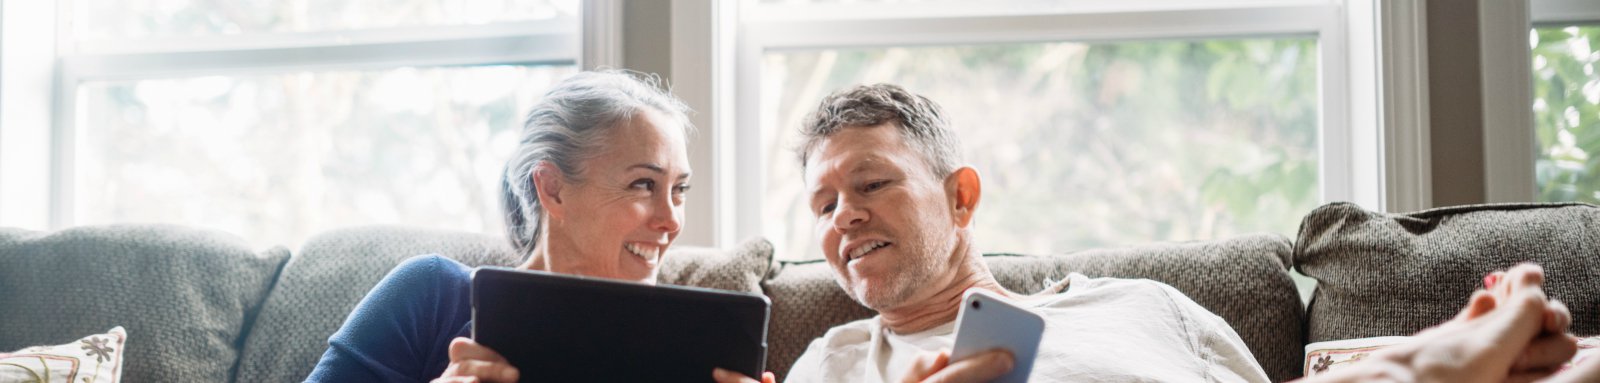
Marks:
<point>184,295</point>
<point>1244,280</point>
<point>324,281</point>
<point>197,302</point>
<point>1383,274</point>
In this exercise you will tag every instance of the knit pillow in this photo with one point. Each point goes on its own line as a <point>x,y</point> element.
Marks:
<point>1382,274</point>
<point>188,294</point>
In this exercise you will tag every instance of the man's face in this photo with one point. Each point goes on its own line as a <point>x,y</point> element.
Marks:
<point>883,219</point>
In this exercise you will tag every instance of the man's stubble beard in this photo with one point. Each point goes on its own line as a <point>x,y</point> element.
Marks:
<point>914,272</point>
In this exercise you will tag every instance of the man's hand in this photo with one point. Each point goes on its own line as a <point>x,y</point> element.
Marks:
<point>982,367</point>
<point>727,376</point>
<point>473,362</point>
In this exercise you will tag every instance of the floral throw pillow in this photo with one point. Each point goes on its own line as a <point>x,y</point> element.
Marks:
<point>93,359</point>
<point>1322,357</point>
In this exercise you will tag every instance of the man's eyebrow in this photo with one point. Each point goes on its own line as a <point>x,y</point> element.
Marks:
<point>868,164</point>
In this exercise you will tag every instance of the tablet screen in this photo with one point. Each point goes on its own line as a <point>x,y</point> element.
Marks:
<point>562,328</point>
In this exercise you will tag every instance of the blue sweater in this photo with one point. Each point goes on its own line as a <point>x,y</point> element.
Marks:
<point>401,331</point>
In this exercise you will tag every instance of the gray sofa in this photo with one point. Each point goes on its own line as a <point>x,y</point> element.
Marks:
<point>201,306</point>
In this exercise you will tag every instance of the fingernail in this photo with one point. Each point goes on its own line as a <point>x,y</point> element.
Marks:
<point>719,374</point>
<point>1489,280</point>
<point>508,374</point>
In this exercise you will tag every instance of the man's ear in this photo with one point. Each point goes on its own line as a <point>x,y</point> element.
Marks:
<point>548,184</point>
<point>964,188</point>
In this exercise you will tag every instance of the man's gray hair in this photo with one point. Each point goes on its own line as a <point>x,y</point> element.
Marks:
<point>565,128</point>
<point>919,120</point>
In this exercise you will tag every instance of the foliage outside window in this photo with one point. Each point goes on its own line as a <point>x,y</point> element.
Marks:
<point>1566,110</point>
<point>1085,144</point>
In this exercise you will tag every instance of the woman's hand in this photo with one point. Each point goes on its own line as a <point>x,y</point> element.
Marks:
<point>981,367</point>
<point>1552,347</point>
<point>473,362</point>
<point>1511,332</point>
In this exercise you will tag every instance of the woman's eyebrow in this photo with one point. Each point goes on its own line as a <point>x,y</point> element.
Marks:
<point>651,167</point>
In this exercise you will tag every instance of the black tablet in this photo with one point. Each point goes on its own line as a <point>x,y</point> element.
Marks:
<point>563,328</point>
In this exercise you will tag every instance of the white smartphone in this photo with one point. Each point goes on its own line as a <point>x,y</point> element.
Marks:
<point>987,322</point>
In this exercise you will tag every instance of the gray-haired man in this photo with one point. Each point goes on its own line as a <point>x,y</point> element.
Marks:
<point>894,207</point>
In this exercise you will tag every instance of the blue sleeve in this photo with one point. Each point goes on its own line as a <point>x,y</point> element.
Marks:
<point>401,331</point>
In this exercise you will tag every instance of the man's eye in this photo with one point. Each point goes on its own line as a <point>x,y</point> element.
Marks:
<point>875,185</point>
<point>826,209</point>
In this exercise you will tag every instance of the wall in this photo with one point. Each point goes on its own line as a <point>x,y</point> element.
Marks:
<point>647,36</point>
<point>1455,102</point>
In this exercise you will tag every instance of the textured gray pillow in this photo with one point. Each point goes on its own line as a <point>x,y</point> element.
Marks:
<point>333,271</point>
<point>325,280</point>
<point>1395,274</point>
<point>186,294</point>
<point>738,269</point>
<point>1244,280</point>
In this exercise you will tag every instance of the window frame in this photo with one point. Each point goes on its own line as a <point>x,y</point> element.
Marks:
<point>47,201</point>
<point>1563,11</point>
<point>1352,162</point>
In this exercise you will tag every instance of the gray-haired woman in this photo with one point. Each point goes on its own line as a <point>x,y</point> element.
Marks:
<point>595,188</point>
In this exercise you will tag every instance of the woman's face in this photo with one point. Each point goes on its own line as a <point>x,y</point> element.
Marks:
<point>618,221</point>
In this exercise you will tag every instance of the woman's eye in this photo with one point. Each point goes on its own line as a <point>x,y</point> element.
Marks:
<point>680,188</point>
<point>644,184</point>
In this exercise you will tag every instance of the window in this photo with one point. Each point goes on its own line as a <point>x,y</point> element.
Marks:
<point>1566,110</point>
<point>283,156</point>
<point>278,120</point>
<point>1091,125</point>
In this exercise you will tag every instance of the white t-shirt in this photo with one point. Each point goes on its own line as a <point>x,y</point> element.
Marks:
<point>1099,330</point>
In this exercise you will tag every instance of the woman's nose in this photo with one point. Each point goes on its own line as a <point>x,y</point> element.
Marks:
<point>666,216</point>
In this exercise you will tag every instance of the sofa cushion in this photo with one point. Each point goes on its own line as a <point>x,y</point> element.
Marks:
<point>324,281</point>
<point>187,294</point>
<point>1244,280</point>
<point>740,268</point>
<point>1395,274</point>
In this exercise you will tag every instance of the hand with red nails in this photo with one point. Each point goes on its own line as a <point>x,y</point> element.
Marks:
<point>1509,332</point>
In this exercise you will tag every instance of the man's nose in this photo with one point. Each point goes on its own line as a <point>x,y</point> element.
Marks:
<point>848,216</point>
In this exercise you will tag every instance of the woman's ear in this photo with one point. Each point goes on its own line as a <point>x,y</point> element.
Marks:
<point>547,183</point>
<point>964,188</point>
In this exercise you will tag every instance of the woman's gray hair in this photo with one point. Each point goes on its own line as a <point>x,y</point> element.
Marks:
<point>565,128</point>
